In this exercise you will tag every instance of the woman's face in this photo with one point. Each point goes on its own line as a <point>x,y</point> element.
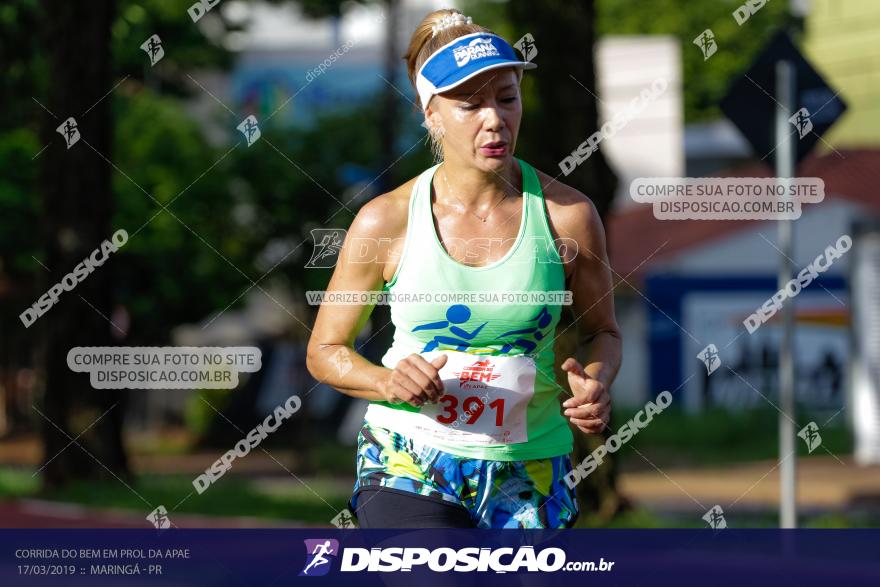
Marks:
<point>480,118</point>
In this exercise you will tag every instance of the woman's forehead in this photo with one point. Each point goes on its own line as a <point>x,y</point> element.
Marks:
<point>490,81</point>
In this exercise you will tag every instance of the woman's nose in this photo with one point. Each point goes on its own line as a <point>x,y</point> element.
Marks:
<point>491,118</point>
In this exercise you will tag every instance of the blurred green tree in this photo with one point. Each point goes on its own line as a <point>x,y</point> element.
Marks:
<point>140,151</point>
<point>704,82</point>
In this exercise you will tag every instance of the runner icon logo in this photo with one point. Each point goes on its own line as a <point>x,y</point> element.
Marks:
<point>319,554</point>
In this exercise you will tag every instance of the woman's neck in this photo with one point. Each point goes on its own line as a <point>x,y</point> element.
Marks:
<point>477,187</point>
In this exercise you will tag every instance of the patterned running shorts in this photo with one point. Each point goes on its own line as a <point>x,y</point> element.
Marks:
<point>497,494</point>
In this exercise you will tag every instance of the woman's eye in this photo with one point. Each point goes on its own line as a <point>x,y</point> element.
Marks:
<point>471,106</point>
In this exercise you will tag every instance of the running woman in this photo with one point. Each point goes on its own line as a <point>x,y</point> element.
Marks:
<point>464,426</point>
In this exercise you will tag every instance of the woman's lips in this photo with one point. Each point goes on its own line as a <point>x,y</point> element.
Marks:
<point>494,149</point>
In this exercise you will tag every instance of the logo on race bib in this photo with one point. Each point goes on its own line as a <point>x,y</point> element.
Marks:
<point>476,49</point>
<point>478,372</point>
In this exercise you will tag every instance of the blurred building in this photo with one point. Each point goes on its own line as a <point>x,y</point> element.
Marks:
<point>651,143</point>
<point>291,68</point>
<point>685,284</point>
<point>700,279</point>
<point>842,40</point>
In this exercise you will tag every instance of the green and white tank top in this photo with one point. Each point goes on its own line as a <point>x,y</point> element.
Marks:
<point>500,396</point>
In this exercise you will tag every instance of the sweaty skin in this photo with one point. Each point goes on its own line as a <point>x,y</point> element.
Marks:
<point>485,109</point>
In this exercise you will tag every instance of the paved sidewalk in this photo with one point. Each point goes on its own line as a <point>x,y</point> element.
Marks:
<point>823,482</point>
<point>33,513</point>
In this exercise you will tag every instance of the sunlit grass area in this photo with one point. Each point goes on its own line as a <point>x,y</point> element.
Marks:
<point>291,500</point>
<point>717,437</point>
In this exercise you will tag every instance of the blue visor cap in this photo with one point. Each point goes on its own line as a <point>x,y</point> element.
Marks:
<point>462,59</point>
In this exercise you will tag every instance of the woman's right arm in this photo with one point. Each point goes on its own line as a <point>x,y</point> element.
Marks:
<point>331,357</point>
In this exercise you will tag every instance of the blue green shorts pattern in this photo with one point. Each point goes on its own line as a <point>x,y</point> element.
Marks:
<point>497,494</point>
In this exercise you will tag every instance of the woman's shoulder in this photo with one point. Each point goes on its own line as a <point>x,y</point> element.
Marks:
<point>386,214</point>
<point>572,213</point>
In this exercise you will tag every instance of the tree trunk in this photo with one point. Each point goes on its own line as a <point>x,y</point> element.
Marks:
<point>390,97</point>
<point>77,210</point>
<point>566,115</point>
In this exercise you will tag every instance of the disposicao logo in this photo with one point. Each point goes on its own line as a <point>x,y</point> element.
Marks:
<point>319,553</point>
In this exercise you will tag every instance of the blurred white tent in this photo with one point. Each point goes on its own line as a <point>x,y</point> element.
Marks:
<point>273,312</point>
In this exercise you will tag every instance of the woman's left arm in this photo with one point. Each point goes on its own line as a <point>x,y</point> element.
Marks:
<point>599,337</point>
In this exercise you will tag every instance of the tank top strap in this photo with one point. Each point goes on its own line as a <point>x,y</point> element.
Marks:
<point>537,229</point>
<point>424,219</point>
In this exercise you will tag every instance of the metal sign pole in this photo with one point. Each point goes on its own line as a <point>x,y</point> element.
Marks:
<point>785,91</point>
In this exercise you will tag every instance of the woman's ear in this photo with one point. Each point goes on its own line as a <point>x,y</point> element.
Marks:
<point>435,132</point>
<point>433,122</point>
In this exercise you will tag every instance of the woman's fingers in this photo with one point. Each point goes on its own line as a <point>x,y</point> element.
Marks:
<point>584,412</point>
<point>432,374</point>
<point>589,419</point>
<point>416,381</point>
<point>406,389</point>
<point>589,410</point>
<point>589,426</point>
<point>423,385</point>
<point>570,365</point>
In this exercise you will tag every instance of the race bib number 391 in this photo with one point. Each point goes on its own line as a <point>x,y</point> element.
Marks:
<point>484,400</point>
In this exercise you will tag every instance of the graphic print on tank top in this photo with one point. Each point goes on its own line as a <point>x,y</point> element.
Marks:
<point>460,313</point>
<point>500,397</point>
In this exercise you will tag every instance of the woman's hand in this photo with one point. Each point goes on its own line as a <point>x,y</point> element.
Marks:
<point>414,380</point>
<point>590,407</point>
